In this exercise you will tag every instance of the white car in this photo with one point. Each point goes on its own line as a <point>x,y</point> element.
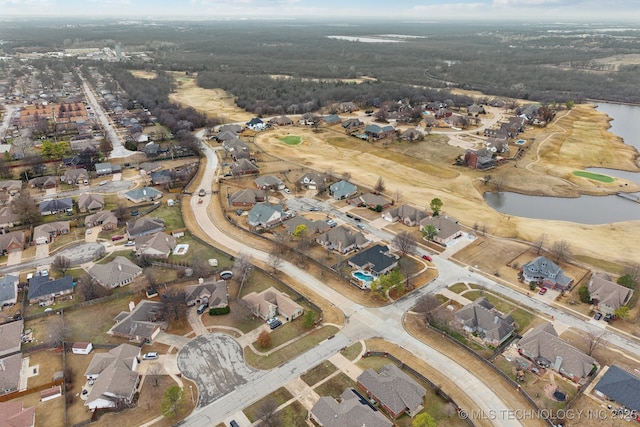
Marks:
<point>130,243</point>
<point>88,231</point>
<point>150,356</point>
<point>103,182</point>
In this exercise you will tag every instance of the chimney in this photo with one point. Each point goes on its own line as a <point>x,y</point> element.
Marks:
<point>119,267</point>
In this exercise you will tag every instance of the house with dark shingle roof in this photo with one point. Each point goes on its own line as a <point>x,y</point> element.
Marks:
<point>351,411</point>
<point>608,296</point>
<point>406,214</point>
<point>8,290</point>
<point>140,323</point>
<point>341,239</point>
<point>53,206</point>
<point>370,200</point>
<point>75,176</point>
<point>44,182</point>
<point>143,226</point>
<point>352,124</point>
<point>621,386</point>
<point>244,167</point>
<point>269,182</point>
<point>394,390</point>
<point>144,194</point>
<point>247,197</point>
<point>43,290</point>
<point>281,121</point>
<point>545,272</point>
<point>482,318</point>
<point>377,260</point>
<point>213,293</point>
<point>481,159</point>
<point>265,215</point>
<point>90,202</point>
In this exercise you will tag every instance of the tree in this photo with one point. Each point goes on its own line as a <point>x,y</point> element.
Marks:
<point>121,212</point>
<point>561,251</point>
<point>487,179</point>
<point>379,187</point>
<point>172,401</point>
<point>309,319</point>
<point>424,420</point>
<point>153,373</point>
<point>429,231</point>
<point>200,267</point>
<point>436,206</point>
<point>300,230</point>
<point>267,413</point>
<point>427,305</point>
<point>633,270</point>
<point>242,267</point>
<point>622,312</point>
<point>538,245</point>
<point>626,281</point>
<point>275,261</point>
<point>264,339</point>
<point>584,295</point>
<point>58,330</point>
<point>593,339</point>
<point>61,263</point>
<point>90,289</point>
<point>173,304</point>
<point>26,209</point>
<point>387,282</point>
<point>105,147</point>
<point>405,242</point>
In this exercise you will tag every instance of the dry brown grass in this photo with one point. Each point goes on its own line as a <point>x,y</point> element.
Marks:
<point>49,362</point>
<point>142,74</point>
<point>48,414</point>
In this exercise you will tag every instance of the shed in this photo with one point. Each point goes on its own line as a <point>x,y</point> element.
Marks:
<point>82,348</point>
<point>50,393</point>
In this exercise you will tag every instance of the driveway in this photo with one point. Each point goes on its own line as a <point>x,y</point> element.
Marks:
<point>42,251</point>
<point>216,363</point>
<point>14,258</point>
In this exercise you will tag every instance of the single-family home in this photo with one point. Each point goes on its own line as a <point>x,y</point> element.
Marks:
<point>10,337</point>
<point>394,390</point>
<point>265,215</point>
<point>411,135</point>
<point>377,132</point>
<point>448,228</point>
<point>351,411</point>
<point>545,272</point>
<point>348,107</point>
<point>312,181</point>
<point>114,375</point>
<point>75,176</point>
<point>81,347</point>
<point>10,186</point>
<point>143,226</point>
<point>15,415</point>
<point>213,293</point>
<point>8,290</point>
<point>481,159</point>
<point>140,324</point>
<point>376,259</point>
<point>313,226</point>
<point>256,124</point>
<point>90,202</point>
<point>235,145</point>
<point>481,318</point>
<point>119,272</point>
<point>226,135</point>
<point>269,182</point>
<point>498,144</point>
<point>230,128</point>
<point>8,218</point>
<point>475,109</point>
<point>608,296</point>
<point>147,167</point>
<point>542,345</point>
<point>342,190</point>
<point>352,124</point>
<point>46,233</point>
<point>157,245</point>
<point>12,241</point>
<point>332,119</point>
<point>107,219</point>
<point>371,201</point>
<point>247,197</point>
<point>281,121</point>
<point>54,206</point>
<point>144,194</point>
<point>272,302</point>
<point>342,240</point>
<point>10,373</point>
<point>104,168</point>
<point>44,182</point>
<point>161,177</point>
<point>45,291</point>
<point>620,386</point>
<point>406,214</point>
<point>243,167</point>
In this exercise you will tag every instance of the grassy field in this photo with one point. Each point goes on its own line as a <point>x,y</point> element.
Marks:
<point>239,317</point>
<point>291,139</point>
<point>278,396</point>
<point>594,176</point>
<point>352,351</point>
<point>317,374</point>
<point>293,415</point>
<point>286,332</point>
<point>335,386</point>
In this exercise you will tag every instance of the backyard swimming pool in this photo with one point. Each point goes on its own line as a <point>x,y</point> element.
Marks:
<point>521,142</point>
<point>363,276</point>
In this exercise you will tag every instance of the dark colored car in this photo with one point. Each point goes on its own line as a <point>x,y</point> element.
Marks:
<point>275,324</point>
<point>598,316</point>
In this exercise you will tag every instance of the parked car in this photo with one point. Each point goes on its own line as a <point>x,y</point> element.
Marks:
<point>427,257</point>
<point>286,190</point>
<point>150,356</point>
<point>609,317</point>
<point>331,223</point>
<point>360,226</point>
<point>233,423</point>
<point>313,209</point>
<point>103,183</point>
<point>45,272</point>
<point>130,243</point>
<point>118,237</point>
<point>598,316</point>
<point>88,231</point>
<point>135,213</point>
<point>275,324</point>
<point>542,291</point>
<point>202,192</point>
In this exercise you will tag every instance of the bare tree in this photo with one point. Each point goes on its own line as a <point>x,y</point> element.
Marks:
<point>25,207</point>
<point>538,245</point>
<point>427,305</point>
<point>61,263</point>
<point>397,196</point>
<point>200,267</point>
<point>90,289</point>
<point>267,413</point>
<point>379,187</point>
<point>153,373</point>
<point>498,184</point>
<point>174,306</point>
<point>121,212</point>
<point>346,175</point>
<point>275,261</point>
<point>633,271</point>
<point>58,330</point>
<point>561,251</point>
<point>242,267</point>
<point>593,339</point>
<point>405,242</point>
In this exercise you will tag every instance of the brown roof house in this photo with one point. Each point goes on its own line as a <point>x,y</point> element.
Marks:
<point>90,202</point>
<point>119,272</point>
<point>75,176</point>
<point>157,245</point>
<point>608,296</point>
<point>13,414</point>
<point>115,377</point>
<point>144,226</point>
<point>44,182</point>
<point>482,318</point>
<point>46,233</point>
<point>313,226</point>
<point>270,302</point>
<point>350,411</point>
<point>247,197</point>
<point>10,186</point>
<point>312,181</point>
<point>448,229</point>
<point>11,337</point>
<point>243,167</point>
<point>10,373</point>
<point>406,214</point>
<point>140,324</point>
<point>213,293</point>
<point>269,182</point>
<point>341,239</point>
<point>370,200</point>
<point>107,219</point>
<point>543,346</point>
<point>12,241</point>
<point>8,218</point>
<point>394,390</point>
<point>545,272</point>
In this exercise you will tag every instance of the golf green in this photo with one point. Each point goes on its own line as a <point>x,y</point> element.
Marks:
<point>594,176</point>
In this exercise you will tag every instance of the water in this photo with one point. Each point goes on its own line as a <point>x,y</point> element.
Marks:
<point>625,123</point>
<point>365,277</point>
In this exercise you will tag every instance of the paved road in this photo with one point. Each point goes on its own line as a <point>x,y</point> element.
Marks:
<point>6,120</point>
<point>78,254</point>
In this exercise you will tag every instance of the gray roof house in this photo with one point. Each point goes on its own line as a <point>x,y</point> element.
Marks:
<point>543,346</point>
<point>375,259</point>
<point>115,377</point>
<point>46,233</point>
<point>103,168</point>
<point>119,272</point>
<point>243,167</point>
<point>608,295</point>
<point>214,293</point>
<point>370,200</point>
<point>44,182</point>
<point>342,190</point>
<point>144,194</point>
<point>10,373</point>
<point>342,240</point>
<point>482,318</point>
<point>11,337</point>
<point>351,411</point>
<point>41,289</point>
<point>265,215</point>
<point>621,386</point>
<point>312,180</point>
<point>8,217</point>
<point>158,245</point>
<point>53,206</point>
<point>10,186</point>
<point>406,214</point>
<point>247,197</point>
<point>139,324</point>
<point>448,229</point>
<point>394,390</point>
<point>8,291</point>
<point>90,202</point>
<point>548,273</point>
<point>143,226</point>
<point>75,176</point>
<point>317,226</point>
<point>269,182</point>
<point>107,219</point>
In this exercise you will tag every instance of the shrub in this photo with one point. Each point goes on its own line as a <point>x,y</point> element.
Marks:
<point>219,310</point>
<point>583,292</point>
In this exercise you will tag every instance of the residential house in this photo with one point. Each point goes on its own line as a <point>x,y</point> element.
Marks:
<point>12,241</point>
<point>377,260</point>
<point>161,177</point>
<point>350,125</point>
<point>448,229</point>
<point>54,206</point>
<point>10,373</point>
<point>474,109</point>
<point>342,240</point>
<point>144,194</point>
<point>235,145</point>
<point>158,245</point>
<point>313,226</point>
<point>115,377</point>
<point>213,293</point>
<point>620,386</point>
<point>119,272</point>
<point>44,182</point>
<point>140,324</point>
<point>10,186</point>
<point>332,120</point>
<point>46,233</point>
<point>265,215</point>
<point>542,345</point>
<point>75,176</point>
<point>351,411</point>
<point>107,219</point>
<point>151,149</point>
<point>481,318</point>
<point>269,182</point>
<point>45,291</point>
<point>90,202</point>
<point>312,181</point>
<point>394,390</point>
<point>371,201</point>
<point>547,273</point>
<point>376,132</point>
<point>271,302</point>
<point>104,168</point>
<point>442,113</point>
<point>8,290</point>
<point>497,144</point>
<point>481,159</point>
<point>256,124</point>
<point>144,226</point>
<point>148,167</point>
<point>281,121</point>
<point>226,135</point>
<point>406,214</point>
<point>411,135</point>
<point>342,190</point>
<point>247,197</point>
<point>243,167</point>
<point>10,338</point>
<point>608,296</point>
<point>8,218</point>
<point>82,348</point>
<point>13,414</point>
<point>348,107</point>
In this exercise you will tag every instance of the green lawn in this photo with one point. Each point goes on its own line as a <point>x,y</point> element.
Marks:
<point>317,374</point>
<point>198,250</point>
<point>291,140</point>
<point>458,287</point>
<point>352,351</point>
<point>286,332</point>
<point>594,176</point>
<point>171,215</point>
<point>279,396</point>
<point>293,415</point>
<point>335,386</point>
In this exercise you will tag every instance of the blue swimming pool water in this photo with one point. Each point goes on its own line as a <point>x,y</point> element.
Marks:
<point>361,275</point>
<point>520,142</point>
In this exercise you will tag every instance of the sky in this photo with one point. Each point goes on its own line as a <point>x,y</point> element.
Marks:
<point>417,10</point>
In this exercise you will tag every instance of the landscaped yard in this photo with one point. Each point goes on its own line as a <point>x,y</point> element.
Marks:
<point>171,215</point>
<point>317,374</point>
<point>239,317</point>
<point>352,351</point>
<point>335,386</point>
<point>522,317</point>
<point>279,397</point>
<point>198,250</point>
